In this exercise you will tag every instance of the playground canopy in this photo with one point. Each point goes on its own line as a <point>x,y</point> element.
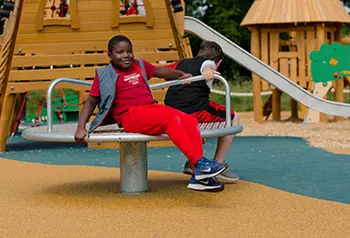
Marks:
<point>295,11</point>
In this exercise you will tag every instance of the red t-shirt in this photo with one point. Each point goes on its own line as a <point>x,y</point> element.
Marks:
<point>131,90</point>
<point>172,66</point>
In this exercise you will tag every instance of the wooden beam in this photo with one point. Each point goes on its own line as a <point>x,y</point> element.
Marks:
<point>10,38</point>
<point>293,77</point>
<point>288,55</point>
<point>81,59</point>
<point>276,104</point>
<point>339,84</point>
<point>287,29</point>
<point>321,39</point>
<point>73,47</point>
<point>50,74</point>
<point>40,15</point>
<point>257,100</point>
<point>339,95</point>
<point>92,36</point>
<point>5,119</point>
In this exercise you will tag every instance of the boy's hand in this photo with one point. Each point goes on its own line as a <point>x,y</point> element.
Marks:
<point>80,136</point>
<point>185,76</point>
<point>208,73</point>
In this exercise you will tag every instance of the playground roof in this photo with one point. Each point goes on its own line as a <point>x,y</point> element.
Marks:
<point>295,11</point>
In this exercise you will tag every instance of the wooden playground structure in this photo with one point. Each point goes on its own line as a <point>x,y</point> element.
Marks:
<point>283,34</point>
<point>48,39</point>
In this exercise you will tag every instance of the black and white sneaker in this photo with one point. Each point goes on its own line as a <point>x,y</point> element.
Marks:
<point>209,184</point>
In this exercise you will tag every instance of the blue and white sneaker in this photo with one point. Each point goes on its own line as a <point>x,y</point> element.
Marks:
<point>205,168</point>
<point>209,184</point>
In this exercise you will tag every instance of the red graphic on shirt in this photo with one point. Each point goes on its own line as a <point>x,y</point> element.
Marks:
<point>132,78</point>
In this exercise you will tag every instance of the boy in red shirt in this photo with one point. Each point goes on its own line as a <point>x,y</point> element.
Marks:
<point>133,108</point>
<point>194,98</point>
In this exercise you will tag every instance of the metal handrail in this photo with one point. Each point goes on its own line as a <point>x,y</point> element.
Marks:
<point>49,96</point>
<point>153,86</point>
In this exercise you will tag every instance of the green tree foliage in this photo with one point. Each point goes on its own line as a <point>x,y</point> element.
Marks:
<point>346,2</point>
<point>346,29</point>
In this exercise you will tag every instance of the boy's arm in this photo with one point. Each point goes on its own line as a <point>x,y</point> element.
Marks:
<point>89,106</point>
<point>208,69</point>
<point>81,134</point>
<point>87,111</point>
<point>171,74</point>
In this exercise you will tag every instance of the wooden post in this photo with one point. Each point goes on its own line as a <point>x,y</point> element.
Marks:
<point>321,39</point>
<point>339,95</point>
<point>10,37</point>
<point>276,105</point>
<point>257,100</point>
<point>294,78</point>
<point>294,109</point>
<point>7,108</point>
<point>302,65</point>
<point>274,61</point>
<point>7,101</point>
<point>179,16</point>
<point>18,103</point>
<point>176,33</point>
<point>339,84</point>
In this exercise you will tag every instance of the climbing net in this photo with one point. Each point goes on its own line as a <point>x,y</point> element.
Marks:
<point>130,7</point>
<point>40,103</point>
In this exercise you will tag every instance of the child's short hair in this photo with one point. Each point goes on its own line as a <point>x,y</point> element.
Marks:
<point>211,50</point>
<point>115,40</point>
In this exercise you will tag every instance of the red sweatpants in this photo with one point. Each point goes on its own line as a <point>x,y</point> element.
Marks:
<point>156,119</point>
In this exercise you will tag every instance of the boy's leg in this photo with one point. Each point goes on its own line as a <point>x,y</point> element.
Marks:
<point>224,143</point>
<point>193,132</point>
<point>159,119</point>
<point>217,113</point>
<point>222,147</point>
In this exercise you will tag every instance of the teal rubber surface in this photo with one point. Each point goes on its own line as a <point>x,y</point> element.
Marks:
<point>285,163</point>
